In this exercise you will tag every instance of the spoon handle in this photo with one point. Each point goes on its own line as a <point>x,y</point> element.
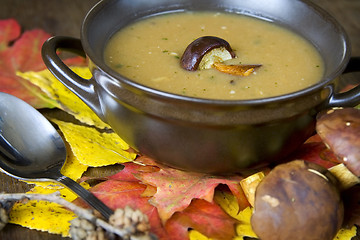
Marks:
<point>87,196</point>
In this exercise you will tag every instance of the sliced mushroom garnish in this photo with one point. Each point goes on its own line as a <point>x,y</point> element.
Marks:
<point>240,70</point>
<point>211,52</point>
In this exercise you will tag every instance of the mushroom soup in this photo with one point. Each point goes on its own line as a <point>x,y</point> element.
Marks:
<point>149,53</point>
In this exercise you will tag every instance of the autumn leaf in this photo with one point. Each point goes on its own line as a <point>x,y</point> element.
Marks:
<point>47,216</point>
<point>205,217</point>
<point>94,148</point>
<point>133,168</point>
<point>316,152</point>
<point>20,53</point>
<point>62,97</point>
<point>9,31</point>
<point>176,189</point>
<point>72,167</point>
<point>43,215</point>
<point>345,234</point>
<point>195,235</point>
<point>121,193</point>
<point>123,189</point>
<point>229,203</point>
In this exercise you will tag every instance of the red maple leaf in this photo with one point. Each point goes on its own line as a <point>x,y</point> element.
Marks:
<point>119,194</point>
<point>123,189</point>
<point>207,218</point>
<point>176,189</point>
<point>22,53</point>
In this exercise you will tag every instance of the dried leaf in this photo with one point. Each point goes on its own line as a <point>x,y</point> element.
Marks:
<point>122,189</point>
<point>345,234</point>
<point>43,215</point>
<point>73,168</point>
<point>176,189</point>
<point>249,185</point>
<point>316,152</point>
<point>195,235</point>
<point>62,97</point>
<point>93,148</point>
<point>21,55</point>
<point>203,216</point>
<point>230,205</point>
<point>9,31</point>
<point>121,193</point>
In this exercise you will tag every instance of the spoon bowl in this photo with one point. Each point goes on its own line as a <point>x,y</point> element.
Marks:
<point>32,149</point>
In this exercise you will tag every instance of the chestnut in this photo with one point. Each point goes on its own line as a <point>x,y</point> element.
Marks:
<point>204,51</point>
<point>298,200</point>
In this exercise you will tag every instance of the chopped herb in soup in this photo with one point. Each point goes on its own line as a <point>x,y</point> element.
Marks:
<point>150,51</point>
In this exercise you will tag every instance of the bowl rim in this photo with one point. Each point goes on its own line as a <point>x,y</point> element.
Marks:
<point>149,91</point>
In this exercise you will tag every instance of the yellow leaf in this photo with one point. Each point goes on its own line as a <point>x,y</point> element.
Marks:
<point>195,235</point>
<point>62,97</point>
<point>94,148</point>
<point>73,168</point>
<point>244,228</point>
<point>346,234</point>
<point>47,184</point>
<point>230,205</point>
<point>66,193</point>
<point>43,215</point>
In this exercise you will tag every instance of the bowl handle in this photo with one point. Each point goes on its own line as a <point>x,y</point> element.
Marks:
<point>351,97</point>
<point>83,88</point>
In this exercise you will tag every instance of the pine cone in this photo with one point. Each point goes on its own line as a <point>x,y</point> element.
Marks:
<point>134,224</point>
<point>133,221</point>
<point>82,229</point>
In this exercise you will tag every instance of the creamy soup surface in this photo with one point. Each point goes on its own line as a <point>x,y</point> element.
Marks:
<point>149,52</point>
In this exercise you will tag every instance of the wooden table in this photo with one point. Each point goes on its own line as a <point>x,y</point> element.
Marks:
<point>64,17</point>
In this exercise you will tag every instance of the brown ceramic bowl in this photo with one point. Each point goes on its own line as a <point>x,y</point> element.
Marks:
<point>212,136</point>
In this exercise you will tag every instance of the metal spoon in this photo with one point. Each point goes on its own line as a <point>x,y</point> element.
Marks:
<point>31,149</point>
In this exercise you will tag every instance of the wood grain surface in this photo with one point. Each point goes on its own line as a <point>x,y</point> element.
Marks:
<point>64,17</point>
